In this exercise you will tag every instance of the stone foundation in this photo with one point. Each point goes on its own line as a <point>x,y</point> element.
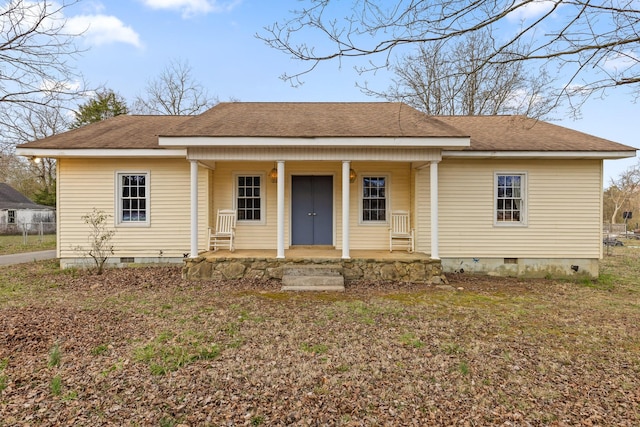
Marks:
<point>426,271</point>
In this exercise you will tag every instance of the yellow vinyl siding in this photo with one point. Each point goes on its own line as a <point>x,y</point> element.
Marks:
<point>376,235</point>
<point>562,202</point>
<point>88,183</point>
<point>258,235</point>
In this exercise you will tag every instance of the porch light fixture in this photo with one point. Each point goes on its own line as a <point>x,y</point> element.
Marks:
<point>352,176</point>
<point>273,175</point>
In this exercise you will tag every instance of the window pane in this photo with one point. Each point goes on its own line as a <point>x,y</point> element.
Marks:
<point>509,198</point>
<point>374,198</point>
<point>133,200</point>
<point>248,198</point>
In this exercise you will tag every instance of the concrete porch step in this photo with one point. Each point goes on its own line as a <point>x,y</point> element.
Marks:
<point>316,277</point>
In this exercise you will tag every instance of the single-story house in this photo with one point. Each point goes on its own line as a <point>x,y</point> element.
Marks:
<point>491,194</point>
<point>17,212</point>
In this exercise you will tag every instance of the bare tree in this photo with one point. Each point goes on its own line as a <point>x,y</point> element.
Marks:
<point>450,80</point>
<point>622,189</point>
<point>174,92</point>
<point>597,44</point>
<point>35,50</point>
<point>35,178</point>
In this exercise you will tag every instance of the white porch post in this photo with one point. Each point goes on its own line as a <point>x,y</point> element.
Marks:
<point>194,209</point>
<point>280,210</point>
<point>346,166</point>
<point>434,209</point>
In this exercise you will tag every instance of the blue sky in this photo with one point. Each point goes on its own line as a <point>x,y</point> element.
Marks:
<point>129,42</point>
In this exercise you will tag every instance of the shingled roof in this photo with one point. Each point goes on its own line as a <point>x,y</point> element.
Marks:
<point>10,198</point>
<point>519,133</point>
<point>314,120</point>
<point>120,132</point>
<point>329,120</point>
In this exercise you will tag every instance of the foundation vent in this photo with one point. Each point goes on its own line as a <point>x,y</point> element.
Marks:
<point>511,260</point>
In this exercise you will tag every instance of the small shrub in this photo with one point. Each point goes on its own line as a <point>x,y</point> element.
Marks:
<point>100,247</point>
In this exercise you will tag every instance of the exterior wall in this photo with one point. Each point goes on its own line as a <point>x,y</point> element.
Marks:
<point>564,201</point>
<point>84,184</point>
<point>263,236</point>
<point>564,204</point>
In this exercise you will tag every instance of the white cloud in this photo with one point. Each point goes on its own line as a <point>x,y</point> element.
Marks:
<point>103,29</point>
<point>192,7</point>
<point>621,61</point>
<point>531,10</point>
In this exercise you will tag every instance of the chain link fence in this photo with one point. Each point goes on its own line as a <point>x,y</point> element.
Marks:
<point>31,232</point>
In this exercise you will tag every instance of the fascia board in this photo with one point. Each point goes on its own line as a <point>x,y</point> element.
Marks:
<point>102,152</point>
<point>609,155</point>
<point>427,142</point>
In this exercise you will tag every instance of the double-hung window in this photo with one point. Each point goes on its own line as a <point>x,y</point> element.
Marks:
<point>133,198</point>
<point>11,217</point>
<point>510,199</point>
<point>374,199</point>
<point>249,197</point>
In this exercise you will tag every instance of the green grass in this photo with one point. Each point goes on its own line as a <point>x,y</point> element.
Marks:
<point>3,377</point>
<point>56,385</point>
<point>314,348</point>
<point>55,356</point>
<point>15,244</point>
<point>169,352</point>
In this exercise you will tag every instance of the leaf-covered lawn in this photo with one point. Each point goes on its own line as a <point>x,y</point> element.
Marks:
<point>143,347</point>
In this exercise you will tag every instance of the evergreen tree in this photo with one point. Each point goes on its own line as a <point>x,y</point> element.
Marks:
<point>104,105</point>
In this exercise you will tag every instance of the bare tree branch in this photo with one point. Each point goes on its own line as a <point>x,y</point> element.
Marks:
<point>34,52</point>
<point>174,92</point>
<point>596,43</point>
<point>453,80</point>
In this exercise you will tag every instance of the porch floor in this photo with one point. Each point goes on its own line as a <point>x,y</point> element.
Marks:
<point>316,253</point>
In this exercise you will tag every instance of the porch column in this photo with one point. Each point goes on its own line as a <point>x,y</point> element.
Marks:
<point>194,209</point>
<point>434,209</point>
<point>280,210</point>
<point>346,166</point>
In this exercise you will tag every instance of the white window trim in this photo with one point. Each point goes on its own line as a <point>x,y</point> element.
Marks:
<point>118,199</point>
<point>360,180</point>
<point>12,216</point>
<point>263,197</point>
<point>525,200</point>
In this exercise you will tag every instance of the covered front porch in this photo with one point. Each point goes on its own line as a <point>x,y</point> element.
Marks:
<point>363,265</point>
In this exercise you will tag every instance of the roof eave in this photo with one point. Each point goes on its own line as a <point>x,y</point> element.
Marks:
<point>605,155</point>
<point>102,152</point>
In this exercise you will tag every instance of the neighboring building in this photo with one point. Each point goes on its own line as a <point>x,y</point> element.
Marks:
<point>493,194</point>
<point>18,212</point>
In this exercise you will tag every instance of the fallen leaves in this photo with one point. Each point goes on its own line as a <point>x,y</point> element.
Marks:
<point>498,352</point>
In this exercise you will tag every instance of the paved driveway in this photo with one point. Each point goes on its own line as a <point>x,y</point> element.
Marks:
<point>26,257</point>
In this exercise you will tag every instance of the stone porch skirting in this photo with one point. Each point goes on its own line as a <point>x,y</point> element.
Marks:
<point>414,270</point>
